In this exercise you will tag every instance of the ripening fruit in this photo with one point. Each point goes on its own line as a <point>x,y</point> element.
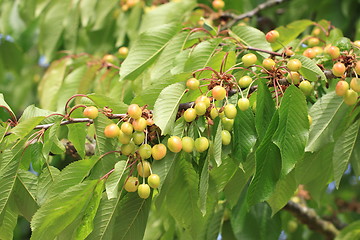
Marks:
<point>109,58</point>
<point>174,144</point>
<point>268,63</point>
<point>218,93</point>
<point>204,99</point>
<point>139,124</point>
<point>158,151</point>
<point>333,51</point>
<point>218,4</point>
<point>91,112</point>
<point>200,108</point>
<point>138,137</point>
<point>225,137</point>
<point>144,191</point>
<point>341,88</point>
<point>230,111</point>
<point>313,41</point>
<point>188,144</point>
<point>127,149</point>
<point>272,36</point>
<point>134,111</point>
<point>154,180</point>
<point>245,81</point>
<point>123,52</point>
<point>306,87</point>
<point>190,114</point>
<point>294,65</point>
<point>310,53</point>
<point>293,77</point>
<point>310,119</point>
<point>131,184</point>
<point>338,69</point>
<point>350,97</point>
<point>124,138</point>
<point>289,52</point>
<point>316,32</point>
<point>243,104</point>
<point>214,113</point>
<point>192,83</point>
<point>112,131</point>
<point>249,59</point>
<point>127,128</point>
<point>357,43</point>
<point>357,68</point>
<point>318,50</point>
<point>227,123</point>
<point>145,151</point>
<point>201,144</point>
<point>355,84</point>
<point>149,121</point>
<point>143,168</point>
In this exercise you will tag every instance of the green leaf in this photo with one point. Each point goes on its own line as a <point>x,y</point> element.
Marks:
<point>204,185</point>
<point>144,50</point>
<point>293,129</point>
<point>166,106</point>
<point>162,167</point>
<point>350,232</point>
<point>15,62</point>
<point>309,69</point>
<point>116,179</point>
<point>217,146</point>
<point>8,223</point>
<point>103,101</point>
<point>50,139</point>
<point>77,136</point>
<point>25,127</point>
<point>222,174</point>
<point>4,104</point>
<point>46,178</point>
<point>57,213</point>
<point>344,147</point>
<point>32,111</point>
<point>327,113</point>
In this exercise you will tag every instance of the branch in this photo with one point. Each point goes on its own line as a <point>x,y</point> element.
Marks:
<point>309,217</point>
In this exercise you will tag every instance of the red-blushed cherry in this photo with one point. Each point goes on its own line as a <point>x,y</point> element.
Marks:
<point>338,69</point>
<point>111,130</point>
<point>341,88</point>
<point>272,36</point>
<point>139,124</point>
<point>158,151</point>
<point>192,83</point>
<point>174,144</point>
<point>188,144</point>
<point>218,4</point>
<point>218,93</point>
<point>310,53</point>
<point>333,51</point>
<point>134,111</point>
<point>131,184</point>
<point>91,112</point>
<point>249,59</point>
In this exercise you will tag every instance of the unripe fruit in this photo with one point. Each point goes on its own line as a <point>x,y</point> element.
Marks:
<point>190,114</point>
<point>154,180</point>
<point>91,112</point>
<point>123,52</point>
<point>144,191</point>
<point>249,59</point>
<point>230,111</point>
<point>188,144</point>
<point>143,168</point>
<point>127,149</point>
<point>127,128</point>
<point>218,93</point>
<point>174,144</point>
<point>333,51</point>
<point>350,97</point>
<point>306,87</point>
<point>124,138</point>
<point>294,65</point>
<point>131,184</point>
<point>138,137</point>
<point>192,83</point>
<point>243,104</point>
<point>139,124</point>
<point>134,111</point>
<point>201,144</point>
<point>200,108</point>
<point>313,41</point>
<point>214,113</point>
<point>204,99</point>
<point>310,53</point>
<point>357,68</point>
<point>245,81</point>
<point>272,36</point>
<point>131,3</point>
<point>227,123</point>
<point>293,77</point>
<point>268,63</point>
<point>109,58</point>
<point>318,50</point>
<point>289,52</point>
<point>112,131</point>
<point>145,151</point>
<point>355,84</point>
<point>316,32</point>
<point>158,151</point>
<point>338,69</point>
<point>218,4</point>
<point>357,43</point>
<point>341,88</point>
<point>225,137</point>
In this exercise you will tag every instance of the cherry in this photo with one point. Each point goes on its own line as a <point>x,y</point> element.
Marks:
<point>200,108</point>
<point>144,191</point>
<point>138,137</point>
<point>318,50</point>
<point>218,93</point>
<point>143,168</point>
<point>145,151</point>
<point>134,111</point>
<point>313,41</point>
<point>268,63</point>
<point>190,114</point>
<point>201,144</point>
<point>204,99</point>
<point>316,32</point>
<point>124,138</point>
<point>293,77</point>
<point>243,104</point>
<point>139,124</point>
<point>333,51</point>
<point>158,151</point>
<point>249,59</point>
<point>272,36</point>
<point>131,184</point>
<point>338,69</point>
<point>289,52</point>
<point>294,65</point>
<point>149,121</point>
<point>154,180</point>
<point>310,53</point>
<point>341,88</point>
<point>112,131</point>
<point>218,4</point>
<point>109,58</point>
<point>174,144</point>
<point>188,144</point>
<point>355,84</point>
<point>245,81</point>
<point>193,83</point>
<point>123,52</point>
<point>350,97</point>
<point>127,128</point>
<point>91,112</point>
<point>230,111</point>
<point>357,68</point>
<point>227,123</point>
<point>128,149</point>
<point>306,87</point>
<point>214,113</point>
<point>357,43</point>
<point>225,137</point>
